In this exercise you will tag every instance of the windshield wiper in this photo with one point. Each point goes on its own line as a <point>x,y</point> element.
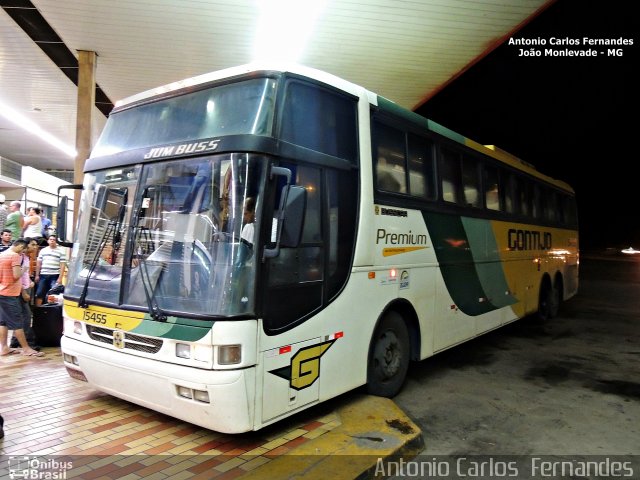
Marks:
<point>111,226</point>
<point>154,309</point>
<point>117,196</point>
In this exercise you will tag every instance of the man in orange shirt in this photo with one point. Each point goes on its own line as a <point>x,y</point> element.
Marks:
<point>11,270</point>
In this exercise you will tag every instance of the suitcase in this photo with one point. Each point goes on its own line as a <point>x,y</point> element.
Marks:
<point>47,325</point>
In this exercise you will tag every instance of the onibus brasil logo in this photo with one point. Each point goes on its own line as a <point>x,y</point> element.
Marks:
<point>38,468</point>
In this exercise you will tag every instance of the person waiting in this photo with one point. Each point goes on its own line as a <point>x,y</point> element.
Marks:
<point>14,220</point>
<point>32,225</point>
<point>46,225</point>
<point>49,268</point>
<point>11,270</point>
<point>25,296</point>
<point>5,240</point>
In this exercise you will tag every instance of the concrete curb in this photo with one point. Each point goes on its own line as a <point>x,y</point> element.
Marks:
<point>372,430</point>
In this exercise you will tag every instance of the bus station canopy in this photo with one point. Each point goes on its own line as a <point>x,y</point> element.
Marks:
<point>405,51</point>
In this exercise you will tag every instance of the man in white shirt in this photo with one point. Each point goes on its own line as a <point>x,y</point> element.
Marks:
<point>248,219</point>
<point>49,268</point>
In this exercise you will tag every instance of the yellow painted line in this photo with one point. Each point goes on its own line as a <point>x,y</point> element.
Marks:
<point>388,252</point>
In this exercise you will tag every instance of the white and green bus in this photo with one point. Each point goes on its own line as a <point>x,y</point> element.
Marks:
<point>257,240</point>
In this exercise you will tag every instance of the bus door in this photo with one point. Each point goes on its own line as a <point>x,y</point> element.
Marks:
<point>294,288</point>
<point>312,265</point>
<point>291,377</point>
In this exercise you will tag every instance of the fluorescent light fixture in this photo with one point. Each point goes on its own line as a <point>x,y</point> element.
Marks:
<point>31,127</point>
<point>284,28</point>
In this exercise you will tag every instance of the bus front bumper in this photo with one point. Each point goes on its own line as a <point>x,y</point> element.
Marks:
<point>165,387</point>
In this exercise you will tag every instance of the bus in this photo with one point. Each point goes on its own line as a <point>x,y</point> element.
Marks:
<point>257,240</point>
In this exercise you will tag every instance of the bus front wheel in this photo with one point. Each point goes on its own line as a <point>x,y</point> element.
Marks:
<point>388,356</point>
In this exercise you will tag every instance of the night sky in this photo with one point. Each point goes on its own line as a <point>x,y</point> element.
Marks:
<point>574,118</point>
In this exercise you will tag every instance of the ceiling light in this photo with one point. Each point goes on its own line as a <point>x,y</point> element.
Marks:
<point>31,127</point>
<point>284,27</point>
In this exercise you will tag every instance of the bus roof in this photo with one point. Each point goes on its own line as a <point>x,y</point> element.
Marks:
<point>345,85</point>
<point>241,70</point>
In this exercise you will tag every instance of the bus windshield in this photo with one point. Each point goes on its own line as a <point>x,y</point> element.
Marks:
<point>172,237</point>
<point>244,107</point>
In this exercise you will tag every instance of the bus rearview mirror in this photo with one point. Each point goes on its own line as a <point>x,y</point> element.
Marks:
<point>61,216</point>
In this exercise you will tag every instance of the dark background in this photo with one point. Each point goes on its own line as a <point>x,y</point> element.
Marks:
<point>573,118</point>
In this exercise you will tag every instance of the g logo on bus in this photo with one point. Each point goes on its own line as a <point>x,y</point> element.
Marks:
<point>304,368</point>
<point>118,339</point>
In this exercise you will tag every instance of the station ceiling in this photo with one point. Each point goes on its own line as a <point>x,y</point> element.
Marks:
<point>405,50</point>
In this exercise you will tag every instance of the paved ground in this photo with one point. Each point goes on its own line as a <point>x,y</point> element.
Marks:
<point>58,428</point>
<point>567,387</point>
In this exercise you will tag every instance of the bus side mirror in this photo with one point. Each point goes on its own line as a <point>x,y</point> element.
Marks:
<point>61,216</point>
<point>289,221</point>
<point>294,216</point>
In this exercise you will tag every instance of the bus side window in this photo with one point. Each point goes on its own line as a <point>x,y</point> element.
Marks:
<point>510,194</point>
<point>421,167</point>
<point>536,209</point>
<point>321,120</point>
<point>342,206</point>
<point>492,188</point>
<point>524,196</point>
<point>470,181</point>
<point>552,212</point>
<point>390,159</point>
<point>569,207</point>
<point>451,176</point>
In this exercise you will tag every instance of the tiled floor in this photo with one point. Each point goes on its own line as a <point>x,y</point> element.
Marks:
<point>48,414</point>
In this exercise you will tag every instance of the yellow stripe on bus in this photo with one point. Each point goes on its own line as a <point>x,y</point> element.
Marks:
<point>527,252</point>
<point>387,252</point>
<point>104,317</point>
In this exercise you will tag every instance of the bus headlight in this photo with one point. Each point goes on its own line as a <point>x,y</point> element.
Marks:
<point>193,394</point>
<point>70,359</point>
<point>77,328</point>
<point>183,350</point>
<point>201,396</point>
<point>229,354</point>
<point>185,392</point>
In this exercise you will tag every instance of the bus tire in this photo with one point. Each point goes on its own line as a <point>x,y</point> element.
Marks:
<point>556,297</point>
<point>547,301</point>
<point>389,356</point>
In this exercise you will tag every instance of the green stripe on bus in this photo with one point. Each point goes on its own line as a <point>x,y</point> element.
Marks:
<point>453,251</point>
<point>396,110</point>
<point>488,263</point>
<point>444,131</point>
<point>186,333</point>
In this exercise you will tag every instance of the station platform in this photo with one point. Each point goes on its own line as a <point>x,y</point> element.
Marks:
<point>66,424</point>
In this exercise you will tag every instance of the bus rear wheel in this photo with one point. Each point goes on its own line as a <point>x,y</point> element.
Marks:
<point>549,301</point>
<point>388,356</point>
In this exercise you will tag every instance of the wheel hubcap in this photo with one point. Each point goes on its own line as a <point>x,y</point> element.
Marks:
<point>387,354</point>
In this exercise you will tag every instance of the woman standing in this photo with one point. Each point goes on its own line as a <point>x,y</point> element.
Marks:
<point>33,225</point>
